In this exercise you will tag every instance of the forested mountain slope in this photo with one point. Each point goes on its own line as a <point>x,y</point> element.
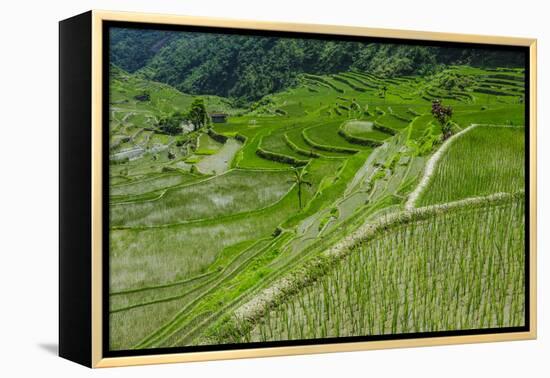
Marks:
<point>249,67</point>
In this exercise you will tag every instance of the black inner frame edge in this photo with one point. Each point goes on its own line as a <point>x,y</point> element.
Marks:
<point>106,352</point>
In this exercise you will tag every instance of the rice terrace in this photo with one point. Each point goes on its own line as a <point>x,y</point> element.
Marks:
<point>286,188</point>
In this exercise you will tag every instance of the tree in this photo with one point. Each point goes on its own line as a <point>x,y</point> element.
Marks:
<point>170,126</point>
<point>443,115</point>
<point>299,180</point>
<point>172,123</point>
<point>143,96</point>
<point>383,91</point>
<point>197,114</point>
<point>246,68</point>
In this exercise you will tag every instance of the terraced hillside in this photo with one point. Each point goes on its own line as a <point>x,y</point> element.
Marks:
<point>207,225</point>
<point>434,284</point>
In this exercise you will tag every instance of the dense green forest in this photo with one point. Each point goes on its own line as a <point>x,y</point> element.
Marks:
<point>133,48</point>
<point>249,67</point>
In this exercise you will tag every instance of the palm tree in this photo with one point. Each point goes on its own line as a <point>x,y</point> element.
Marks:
<point>384,89</point>
<point>299,180</point>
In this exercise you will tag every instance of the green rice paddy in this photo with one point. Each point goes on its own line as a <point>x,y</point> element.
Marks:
<point>204,223</point>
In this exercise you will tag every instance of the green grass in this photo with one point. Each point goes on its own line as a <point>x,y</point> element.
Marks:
<point>220,161</point>
<point>207,144</point>
<point>129,190</point>
<point>199,227</point>
<point>154,256</point>
<point>275,142</point>
<point>247,157</point>
<point>485,160</point>
<point>466,278</point>
<point>164,99</point>
<point>129,327</point>
<point>364,129</point>
<point>510,115</point>
<point>234,192</point>
<point>296,137</point>
<point>423,122</point>
<point>393,122</point>
<point>327,135</point>
<point>333,176</point>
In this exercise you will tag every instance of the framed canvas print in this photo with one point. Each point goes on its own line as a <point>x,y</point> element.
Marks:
<point>235,189</point>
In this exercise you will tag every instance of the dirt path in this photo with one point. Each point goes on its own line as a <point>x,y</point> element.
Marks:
<point>220,162</point>
<point>431,165</point>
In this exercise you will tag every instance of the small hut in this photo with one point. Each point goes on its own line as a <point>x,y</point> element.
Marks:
<point>218,117</point>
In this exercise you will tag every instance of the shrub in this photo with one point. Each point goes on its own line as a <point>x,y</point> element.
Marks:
<point>400,117</point>
<point>350,84</point>
<point>220,138</point>
<point>300,150</point>
<point>280,158</point>
<point>119,161</point>
<point>413,112</point>
<point>205,152</point>
<point>192,160</point>
<point>443,115</point>
<point>144,96</point>
<point>360,81</point>
<point>240,138</point>
<point>392,162</point>
<point>167,169</point>
<point>492,92</point>
<point>278,231</point>
<point>197,113</point>
<point>358,140</point>
<point>172,124</point>
<point>324,81</point>
<point>385,129</point>
<point>506,77</point>
<point>324,147</point>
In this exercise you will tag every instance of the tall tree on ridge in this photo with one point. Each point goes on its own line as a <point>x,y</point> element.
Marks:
<point>197,114</point>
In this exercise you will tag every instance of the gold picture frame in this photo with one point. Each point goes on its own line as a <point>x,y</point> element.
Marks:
<point>93,264</point>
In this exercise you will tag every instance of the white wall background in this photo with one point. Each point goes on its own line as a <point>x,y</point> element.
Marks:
<point>28,186</point>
